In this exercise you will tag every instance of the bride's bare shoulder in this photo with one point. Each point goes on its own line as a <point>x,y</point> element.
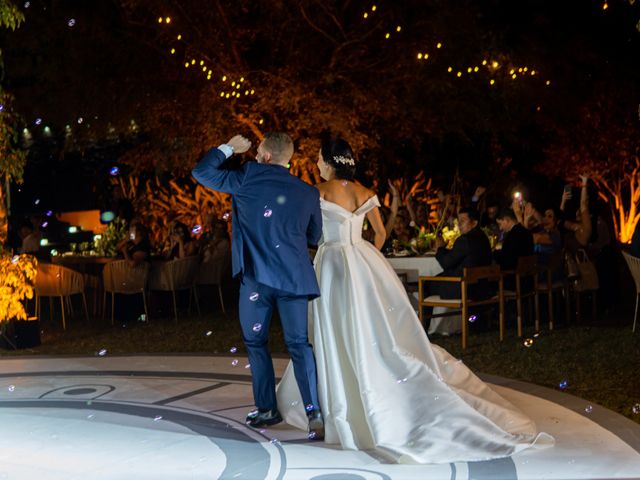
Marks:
<point>322,188</point>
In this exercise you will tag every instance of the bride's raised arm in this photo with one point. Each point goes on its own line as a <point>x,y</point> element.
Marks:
<point>375,220</point>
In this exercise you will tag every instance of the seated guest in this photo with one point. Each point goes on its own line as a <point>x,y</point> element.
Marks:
<point>30,238</point>
<point>182,245</point>
<point>471,249</point>
<point>137,248</point>
<point>517,242</point>
<point>215,243</point>
<point>548,241</point>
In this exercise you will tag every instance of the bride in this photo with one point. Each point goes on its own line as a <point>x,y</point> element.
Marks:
<point>382,385</point>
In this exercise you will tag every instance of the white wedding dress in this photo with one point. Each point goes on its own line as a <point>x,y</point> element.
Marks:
<point>382,385</point>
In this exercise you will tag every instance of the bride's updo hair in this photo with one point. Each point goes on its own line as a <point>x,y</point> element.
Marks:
<point>337,153</point>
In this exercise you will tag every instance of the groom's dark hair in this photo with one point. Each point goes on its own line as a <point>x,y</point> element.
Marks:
<point>279,145</point>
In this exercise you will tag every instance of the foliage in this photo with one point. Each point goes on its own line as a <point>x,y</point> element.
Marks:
<point>105,245</point>
<point>12,158</point>
<point>158,204</point>
<point>17,280</point>
<point>605,144</point>
<point>10,16</point>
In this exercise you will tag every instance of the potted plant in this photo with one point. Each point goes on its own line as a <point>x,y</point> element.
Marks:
<point>17,281</point>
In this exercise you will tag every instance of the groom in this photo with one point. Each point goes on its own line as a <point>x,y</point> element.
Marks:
<point>275,217</point>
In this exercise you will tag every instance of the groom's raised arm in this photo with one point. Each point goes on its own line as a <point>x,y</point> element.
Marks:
<point>209,171</point>
<point>314,230</point>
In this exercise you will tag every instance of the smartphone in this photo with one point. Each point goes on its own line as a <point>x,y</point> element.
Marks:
<point>568,187</point>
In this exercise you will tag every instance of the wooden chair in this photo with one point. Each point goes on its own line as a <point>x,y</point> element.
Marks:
<point>470,276</point>
<point>212,273</point>
<point>120,277</point>
<point>527,267</point>
<point>175,275</point>
<point>634,267</point>
<point>58,281</point>
<point>548,286</point>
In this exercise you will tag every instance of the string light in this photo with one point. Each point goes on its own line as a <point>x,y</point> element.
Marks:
<point>365,15</point>
<point>605,5</point>
<point>242,79</point>
<point>261,121</point>
<point>548,82</point>
<point>167,20</point>
<point>476,68</point>
<point>438,45</point>
<point>179,37</point>
<point>201,62</point>
<point>459,74</point>
<point>419,56</point>
<point>222,94</point>
<point>495,64</point>
<point>374,8</point>
<point>469,70</point>
<point>186,64</point>
<point>450,69</point>
<point>533,72</point>
<point>160,20</point>
<point>398,28</point>
<point>492,81</point>
<point>193,61</point>
<point>484,62</point>
<point>514,76</point>
<point>224,78</point>
<point>173,50</point>
<point>387,36</point>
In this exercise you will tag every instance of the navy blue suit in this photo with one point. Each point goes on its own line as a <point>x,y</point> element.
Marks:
<point>275,217</point>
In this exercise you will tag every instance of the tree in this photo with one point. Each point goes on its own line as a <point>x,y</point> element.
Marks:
<point>605,143</point>
<point>12,157</point>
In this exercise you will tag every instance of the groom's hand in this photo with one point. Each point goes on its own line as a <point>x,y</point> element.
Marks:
<point>239,144</point>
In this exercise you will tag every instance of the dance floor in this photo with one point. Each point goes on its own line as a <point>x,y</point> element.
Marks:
<point>182,417</point>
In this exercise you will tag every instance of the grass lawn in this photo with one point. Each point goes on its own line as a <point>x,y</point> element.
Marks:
<point>600,364</point>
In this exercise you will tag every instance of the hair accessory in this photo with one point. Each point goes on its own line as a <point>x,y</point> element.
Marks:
<point>344,160</point>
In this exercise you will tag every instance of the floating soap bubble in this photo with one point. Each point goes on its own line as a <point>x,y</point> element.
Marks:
<point>36,201</point>
<point>312,435</point>
<point>15,259</point>
<point>473,318</point>
<point>38,121</point>
<point>234,363</point>
<point>11,388</point>
<point>196,229</point>
<point>257,327</point>
<point>588,409</point>
<point>102,352</point>
<point>344,183</point>
<point>268,212</point>
<point>71,22</point>
<point>209,333</point>
<point>402,380</point>
<point>636,409</point>
<point>226,216</point>
<point>309,408</point>
<point>248,365</point>
<point>275,440</point>
<point>49,213</point>
<point>90,417</point>
<point>157,418</point>
<point>563,384</point>
<point>528,342</point>
<point>278,245</point>
<point>114,171</point>
<point>254,296</point>
<point>233,349</point>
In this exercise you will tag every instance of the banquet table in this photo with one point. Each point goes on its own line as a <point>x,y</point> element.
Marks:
<point>427,265</point>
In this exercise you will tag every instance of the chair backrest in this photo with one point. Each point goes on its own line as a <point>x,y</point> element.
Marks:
<point>212,272</point>
<point>55,280</point>
<point>119,277</point>
<point>177,274</point>
<point>472,275</point>
<point>527,266</point>
<point>634,267</point>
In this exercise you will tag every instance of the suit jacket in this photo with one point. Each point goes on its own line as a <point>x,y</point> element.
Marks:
<point>469,250</point>
<point>275,217</point>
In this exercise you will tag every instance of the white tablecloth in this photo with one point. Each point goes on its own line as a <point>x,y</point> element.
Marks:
<point>413,267</point>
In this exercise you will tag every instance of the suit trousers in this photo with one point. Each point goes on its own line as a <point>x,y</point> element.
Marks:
<point>257,302</point>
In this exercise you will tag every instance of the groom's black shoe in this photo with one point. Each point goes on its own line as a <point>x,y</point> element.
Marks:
<point>257,418</point>
<point>316,425</point>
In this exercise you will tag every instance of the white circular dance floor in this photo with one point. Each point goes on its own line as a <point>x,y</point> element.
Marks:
<point>182,417</point>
